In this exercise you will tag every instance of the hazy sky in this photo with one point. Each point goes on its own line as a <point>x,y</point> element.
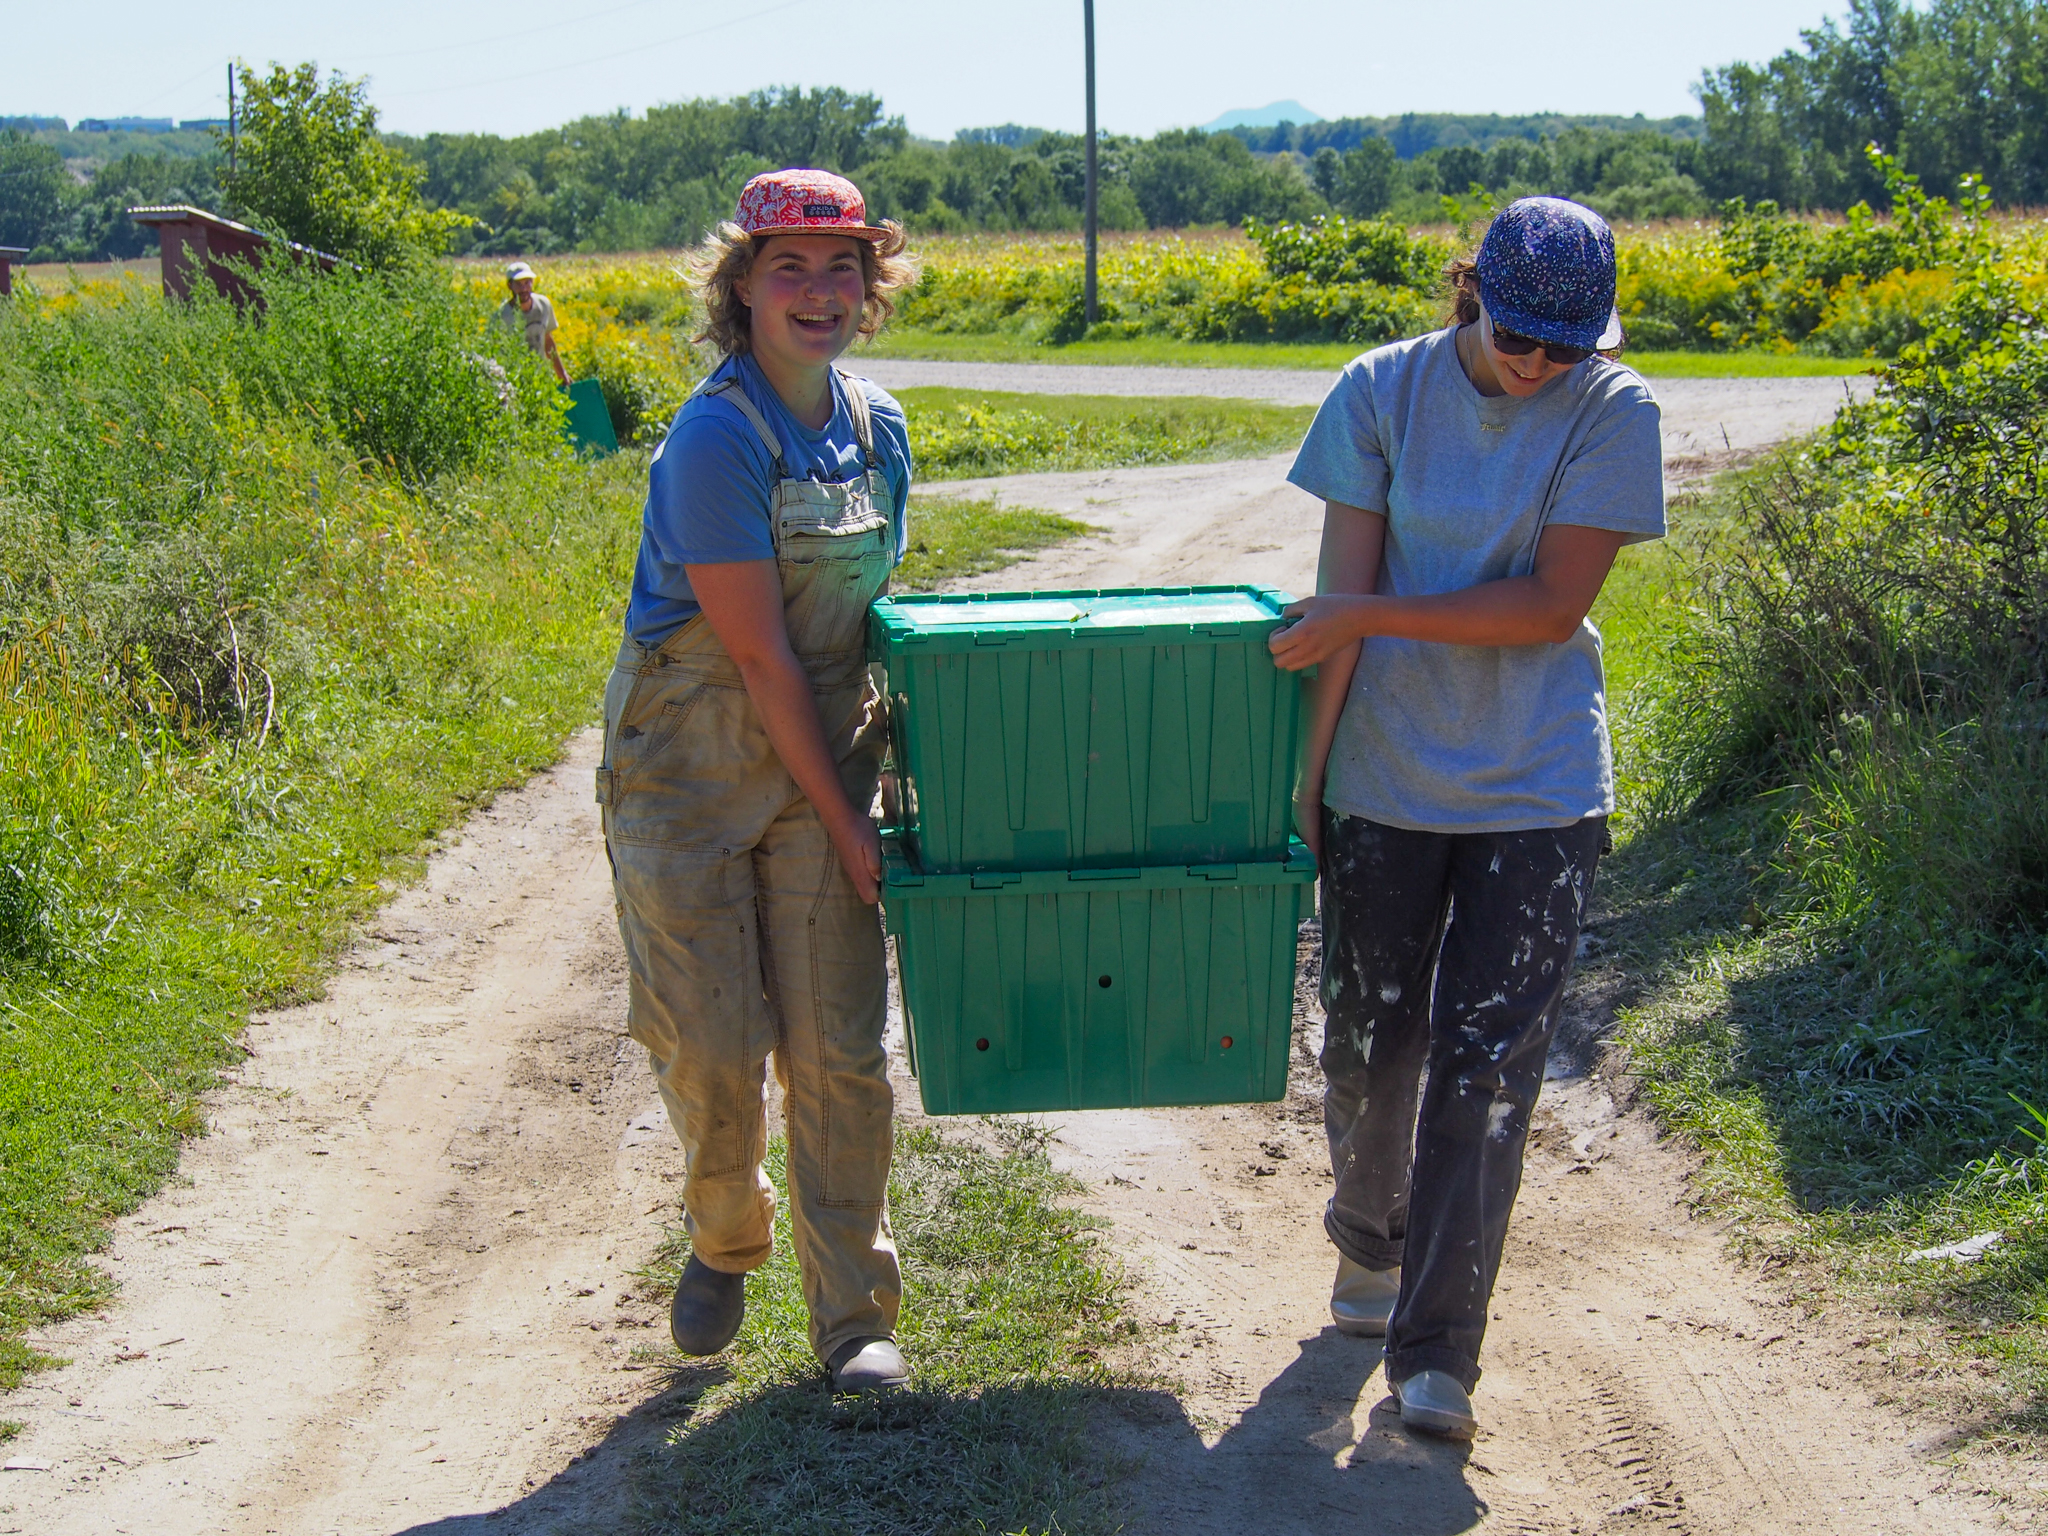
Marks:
<point>516,65</point>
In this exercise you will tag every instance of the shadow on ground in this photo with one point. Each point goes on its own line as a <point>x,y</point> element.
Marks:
<point>1318,1452</point>
<point>594,1492</point>
<point>1309,1456</point>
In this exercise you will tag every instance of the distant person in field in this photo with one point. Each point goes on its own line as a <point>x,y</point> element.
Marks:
<point>531,316</point>
<point>1478,484</point>
<point>743,743</point>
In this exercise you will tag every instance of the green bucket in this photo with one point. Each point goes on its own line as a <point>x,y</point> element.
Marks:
<point>589,423</point>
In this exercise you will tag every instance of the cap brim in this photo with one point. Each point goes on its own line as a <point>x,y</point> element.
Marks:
<point>866,232</point>
<point>1556,332</point>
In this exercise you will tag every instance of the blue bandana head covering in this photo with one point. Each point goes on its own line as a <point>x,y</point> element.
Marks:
<point>1546,270</point>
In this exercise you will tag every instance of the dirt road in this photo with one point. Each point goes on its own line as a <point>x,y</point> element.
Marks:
<point>1754,411</point>
<point>392,1291</point>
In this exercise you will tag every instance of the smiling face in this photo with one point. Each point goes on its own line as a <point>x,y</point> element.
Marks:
<point>1519,376</point>
<point>804,298</point>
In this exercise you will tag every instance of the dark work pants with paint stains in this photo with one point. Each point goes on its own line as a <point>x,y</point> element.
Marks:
<point>1444,964</point>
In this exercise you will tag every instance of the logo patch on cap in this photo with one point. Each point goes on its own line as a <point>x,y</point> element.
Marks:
<point>797,201</point>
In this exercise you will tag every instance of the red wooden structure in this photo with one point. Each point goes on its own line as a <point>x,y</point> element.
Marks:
<point>196,242</point>
<point>11,256</point>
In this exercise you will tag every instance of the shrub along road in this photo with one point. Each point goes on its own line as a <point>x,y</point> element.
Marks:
<point>396,1288</point>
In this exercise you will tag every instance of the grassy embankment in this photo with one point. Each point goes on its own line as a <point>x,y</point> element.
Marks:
<point>1827,910</point>
<point>280,602</point>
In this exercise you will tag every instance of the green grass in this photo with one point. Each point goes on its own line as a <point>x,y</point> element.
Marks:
<point>1011,1322</point>
<point>1757,1045</point>
<point>954,538</point>
<point>1850,1102</point>
<point>959,433</point>
<point>1747,365</point>
<point>1164,352</point>
<point>413,683</point>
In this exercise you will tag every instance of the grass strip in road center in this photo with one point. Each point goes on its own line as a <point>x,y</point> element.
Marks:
<point>1013,1321</point>
<point>954,537</point>
<point>963,433</point>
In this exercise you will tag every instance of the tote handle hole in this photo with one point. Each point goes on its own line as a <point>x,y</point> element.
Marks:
<point>1227,1042</point>
<point>981,1044</point>
<point>1102,981</point>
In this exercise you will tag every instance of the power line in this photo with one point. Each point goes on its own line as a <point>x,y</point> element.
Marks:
<point>603,58</point>
<point>507,37</point>
<point>171,91</point>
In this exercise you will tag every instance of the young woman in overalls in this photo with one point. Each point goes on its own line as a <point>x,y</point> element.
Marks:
<point>743,741</point>
<point>1478,484</point>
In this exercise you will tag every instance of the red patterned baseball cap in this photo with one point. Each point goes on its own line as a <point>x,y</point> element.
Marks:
<point>804,203</point>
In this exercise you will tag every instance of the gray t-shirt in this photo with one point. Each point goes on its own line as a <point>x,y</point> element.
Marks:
<point>1469,738</point>
<point>533,324</point>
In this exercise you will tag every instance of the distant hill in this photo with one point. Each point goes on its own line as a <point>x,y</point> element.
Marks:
<point>1262,117</point>
<point>1416,133</point>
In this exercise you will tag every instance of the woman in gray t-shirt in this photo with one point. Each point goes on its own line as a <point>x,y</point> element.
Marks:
<point>1479,482</point>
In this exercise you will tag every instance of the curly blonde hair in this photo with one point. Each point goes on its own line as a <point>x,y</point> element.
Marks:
<point>727,255</point>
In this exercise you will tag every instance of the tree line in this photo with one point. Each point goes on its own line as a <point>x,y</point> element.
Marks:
<point>630,181</point>
<point>1958,88</point>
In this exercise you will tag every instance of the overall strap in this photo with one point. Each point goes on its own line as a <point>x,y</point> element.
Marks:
<point>730,388</point>
<point>857,408</point>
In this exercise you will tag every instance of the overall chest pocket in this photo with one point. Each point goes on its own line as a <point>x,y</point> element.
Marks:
<point>829,522</point>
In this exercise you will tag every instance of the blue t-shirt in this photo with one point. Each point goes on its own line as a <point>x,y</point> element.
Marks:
<point>1478,738</point>
<point>711,487</point>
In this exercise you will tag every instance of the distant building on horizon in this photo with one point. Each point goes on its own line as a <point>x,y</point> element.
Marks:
<point>187,123</point>
<point>125,125</point>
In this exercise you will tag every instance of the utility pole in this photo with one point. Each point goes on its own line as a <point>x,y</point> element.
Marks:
<point>232,141</point>
<point>1088,193</point>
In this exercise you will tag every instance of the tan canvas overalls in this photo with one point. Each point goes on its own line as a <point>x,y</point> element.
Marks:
<point>744,935</point>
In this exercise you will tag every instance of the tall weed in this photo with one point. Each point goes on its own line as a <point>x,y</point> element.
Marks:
<point>283,593</point>
<point>1863,680</point>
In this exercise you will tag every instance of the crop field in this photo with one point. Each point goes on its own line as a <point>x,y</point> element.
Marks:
<point>1755,295</point>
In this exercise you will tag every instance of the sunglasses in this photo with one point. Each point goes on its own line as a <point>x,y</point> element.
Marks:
<point>1511,345</point>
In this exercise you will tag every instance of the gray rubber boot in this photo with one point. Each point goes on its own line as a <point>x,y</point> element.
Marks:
<point>1433,1401</point>
<point>868,1365</point>
<point>707,1310</point>
<point>1363,1299</point>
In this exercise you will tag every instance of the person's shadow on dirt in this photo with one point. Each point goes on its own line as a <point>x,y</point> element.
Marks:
<point>593,1491</point>
<point>1299,1460</point>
